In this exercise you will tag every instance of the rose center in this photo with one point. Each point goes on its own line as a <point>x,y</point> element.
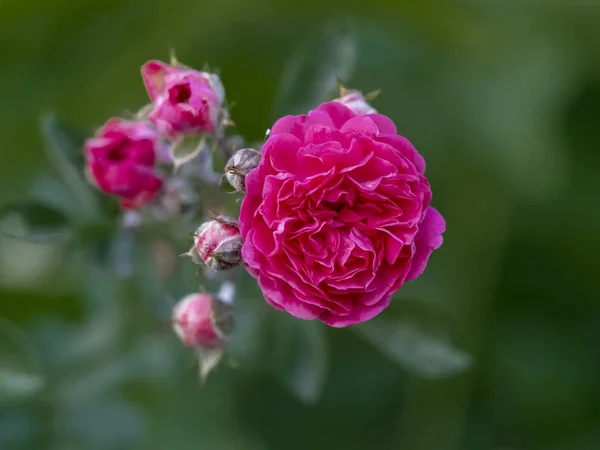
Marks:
<point>333,206</point>
<point>117,153</point>
<point>181,93</point>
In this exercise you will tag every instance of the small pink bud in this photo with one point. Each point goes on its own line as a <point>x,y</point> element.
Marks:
<point>239,165</point>
<point>186,101</point>
<point>355,101</point>
<point>121,159</point>
<point>202,321</point>
<point>218,243</point>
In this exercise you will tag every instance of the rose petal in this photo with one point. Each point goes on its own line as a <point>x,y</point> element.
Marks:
<point>153,75</point>
<point>404,146</point>
<point>282,297</point>
<point>428,238</point>
<point>338,113</point>
<point>294,125</point>
<point>281,152</point>
<point>360,124</point>
<point>384,124</point>
<point>357,315</point>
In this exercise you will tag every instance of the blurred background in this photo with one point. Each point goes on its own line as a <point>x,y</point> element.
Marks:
<point>495,347</point>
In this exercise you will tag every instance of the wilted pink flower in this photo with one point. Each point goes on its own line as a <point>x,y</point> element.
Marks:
<point>185,101</point>
<point>336,216</point>
<point>356,102</point>
<point>120,161</point>
<point>194,321</point>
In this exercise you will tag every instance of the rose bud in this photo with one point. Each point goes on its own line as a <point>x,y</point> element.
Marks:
<point>204,322</point>
<point>120,161</point>
<point>217,244</point>
<point>201,320</point>
<point>185,101</point>
<point>355,101</point>
<point>238,166</point>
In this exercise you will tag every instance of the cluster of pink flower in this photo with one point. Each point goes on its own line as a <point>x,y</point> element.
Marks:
<point>123,158</point>
<point>336,211</point>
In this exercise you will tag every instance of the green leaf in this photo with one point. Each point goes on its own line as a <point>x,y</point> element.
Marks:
<point>33,220</point>
<point>65,151</point>
<point>20,375</point>
<point>300,357</point>
<point>187,148</point>
<point>309,77</point>
<point>416,341</point>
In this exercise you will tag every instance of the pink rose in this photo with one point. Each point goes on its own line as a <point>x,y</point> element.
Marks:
<point>185,101</point>
<point>120,161</point>
<point>336,216</point>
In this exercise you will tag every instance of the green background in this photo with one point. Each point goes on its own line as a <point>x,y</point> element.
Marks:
<point>503,100</point>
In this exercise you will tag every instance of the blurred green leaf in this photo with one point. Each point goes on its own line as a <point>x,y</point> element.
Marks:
<point>33,220</point>
<point>78,424</point>
<point>300,357</point>
<point>186,149</point>
<point>50,190</point>
<point>252,332</point>
<point>309,77</point>
<point>65,151</point>
<point>269,342</point>
<point>415,342</point>
<point>17,428</point>
<point>20,376</point>
<point>66,142</point>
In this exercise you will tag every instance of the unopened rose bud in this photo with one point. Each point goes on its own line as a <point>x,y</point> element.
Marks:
<point>202,321</point>
<point>355,101</point>
<point>239,165</point>
<point>218,244</point>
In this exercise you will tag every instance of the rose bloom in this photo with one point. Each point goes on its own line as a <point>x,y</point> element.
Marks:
<point>185,101</point>
<point>337,216</point>
<point>120,160</point>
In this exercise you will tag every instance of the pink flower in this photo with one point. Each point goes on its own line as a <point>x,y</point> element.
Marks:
<point>185,101</point>
<point>193,321</point>
<point>336,216</point>
<point>356,102</point>
<point>120,161</point>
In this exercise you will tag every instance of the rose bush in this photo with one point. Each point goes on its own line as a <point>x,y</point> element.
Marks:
<point>337,216</point>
